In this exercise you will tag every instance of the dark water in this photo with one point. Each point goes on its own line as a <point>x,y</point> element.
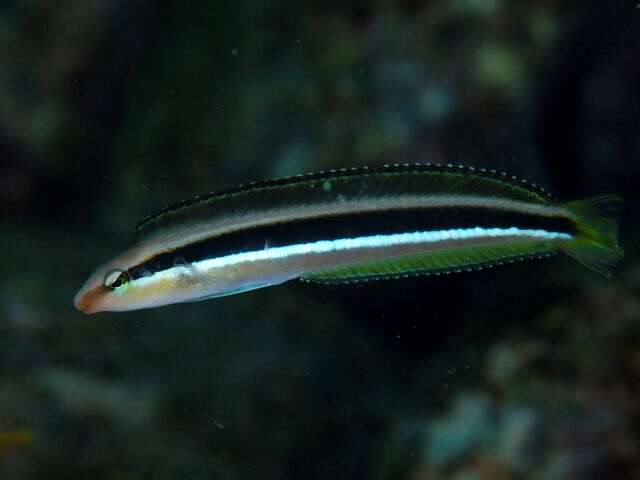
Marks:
<point>110,110</point>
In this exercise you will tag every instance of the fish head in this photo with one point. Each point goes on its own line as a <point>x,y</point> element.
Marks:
<point>113,288</point>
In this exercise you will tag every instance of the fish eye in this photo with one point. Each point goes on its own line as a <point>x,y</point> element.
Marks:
<point>116,279</point>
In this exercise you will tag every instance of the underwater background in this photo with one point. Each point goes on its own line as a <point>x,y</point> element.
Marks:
<point>113,109</point>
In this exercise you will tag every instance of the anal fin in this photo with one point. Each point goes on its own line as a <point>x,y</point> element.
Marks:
<point>434,262</point>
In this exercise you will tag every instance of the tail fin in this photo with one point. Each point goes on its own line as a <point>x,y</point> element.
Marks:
<point>596,245</point>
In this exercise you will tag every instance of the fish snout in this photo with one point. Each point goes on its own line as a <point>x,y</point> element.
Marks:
<point>87,299</point>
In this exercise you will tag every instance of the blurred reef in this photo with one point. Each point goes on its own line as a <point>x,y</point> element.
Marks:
<point>111,109</point>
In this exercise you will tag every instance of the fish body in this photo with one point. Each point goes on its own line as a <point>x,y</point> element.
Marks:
<point>347,225</point>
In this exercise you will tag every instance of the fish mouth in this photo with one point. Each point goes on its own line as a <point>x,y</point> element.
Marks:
<point>86,300</point>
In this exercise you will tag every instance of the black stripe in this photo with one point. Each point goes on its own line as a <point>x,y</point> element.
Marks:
<point>348,226</point>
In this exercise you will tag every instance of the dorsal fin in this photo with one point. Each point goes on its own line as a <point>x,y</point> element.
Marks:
<point>341,185</point>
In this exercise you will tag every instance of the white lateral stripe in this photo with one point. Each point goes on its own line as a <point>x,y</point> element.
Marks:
<point>342,244</point>
<point>374,241</point>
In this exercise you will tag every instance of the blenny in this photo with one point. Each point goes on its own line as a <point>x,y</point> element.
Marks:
<point>348,225</point>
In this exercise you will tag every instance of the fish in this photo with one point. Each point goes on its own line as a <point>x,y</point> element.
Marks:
<point>349,225</point>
